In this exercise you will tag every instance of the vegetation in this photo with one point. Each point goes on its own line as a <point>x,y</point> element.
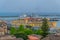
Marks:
<point>22,32</point>
<point>20,29</point>
<point>28,31</point>
<point>45,27</point>
<point>13,30</point>
<point>38,32</point>
<point>21,35</point>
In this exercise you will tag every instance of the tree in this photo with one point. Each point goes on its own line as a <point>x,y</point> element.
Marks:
<point>28,31</point>
<point>13,30</point>
<point>21,33</point>
<point>45,27</point>
<point>21,28</point>
<point>38,32</point>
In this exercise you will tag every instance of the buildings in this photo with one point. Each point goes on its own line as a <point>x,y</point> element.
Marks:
<point>35,22</point>
<point>3,27</point>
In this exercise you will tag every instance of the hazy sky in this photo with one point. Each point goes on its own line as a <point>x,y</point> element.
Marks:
<point>17,6</point>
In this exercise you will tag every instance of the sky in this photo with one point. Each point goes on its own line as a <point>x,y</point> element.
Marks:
<point>29,6</point>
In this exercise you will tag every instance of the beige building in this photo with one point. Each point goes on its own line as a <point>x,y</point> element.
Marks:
<point>30,21</point>
<point>3,28</point>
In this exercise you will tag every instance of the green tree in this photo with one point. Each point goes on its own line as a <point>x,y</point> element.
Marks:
<point>38,32</point>
<point>21,35</point>
<point>21,32</point>
<point>28,31</point>
<point>13,30</point>
<point>45,27</point>
<point>21,28</point>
